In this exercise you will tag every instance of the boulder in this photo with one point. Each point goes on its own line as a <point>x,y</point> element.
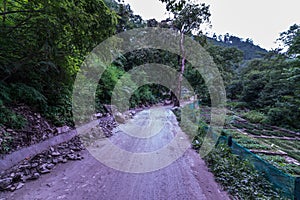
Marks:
<point>119,117</point>
<point>97,116</point>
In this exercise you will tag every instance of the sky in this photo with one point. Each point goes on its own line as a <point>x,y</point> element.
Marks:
<point>260,20</point>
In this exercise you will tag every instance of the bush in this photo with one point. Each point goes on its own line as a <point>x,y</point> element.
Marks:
<point>4,94</point>
<point>5,142</point>
<point>238,176</point>
<point>284,117</point>
<point>10,119</point>
<point>237,105</point>
<point>255,116</point>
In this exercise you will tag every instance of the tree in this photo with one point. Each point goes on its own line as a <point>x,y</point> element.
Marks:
<point>188,22</point>
<point>291,40</point>
<point>174,5</point>
<point>43,44</point>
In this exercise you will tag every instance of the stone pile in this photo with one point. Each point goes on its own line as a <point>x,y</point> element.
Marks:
<point>102,130</point>
<point>33,168</point>
<point>39,130</point>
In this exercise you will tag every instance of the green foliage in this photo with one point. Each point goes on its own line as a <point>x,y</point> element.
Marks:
<point>272,86</point>
<point>174,5</point>
<point>10,119</point>
<point>291,39</point>
<point>5,96</point>
<point>107,83</point>
<point>237,105</point>
<point>191,17</point>
<point>238,176</point>
<point>43,44</point>
<point>250,51</point>
<point>16,93</point>
<point>227,60</point>
<point>28,95</point>
<point>290,147</point>
<point>234,89</point>
<point>5,142</point>
<point>253,84</point>
<point>282,164</point>
<point>254,116</point>
<point>60,113</point>
<point>199,138</point>
<point>143,95</point>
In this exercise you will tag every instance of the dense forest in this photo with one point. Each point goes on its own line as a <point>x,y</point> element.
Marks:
<point>43,45</point>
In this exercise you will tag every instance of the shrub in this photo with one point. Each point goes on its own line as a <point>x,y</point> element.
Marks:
<point>4,94</point>
<point>10,119</point>
<point>238,176</point>
<point>26,94</point>
<point>5,142</point>
<point>255,116</point>
<point>237,105</point>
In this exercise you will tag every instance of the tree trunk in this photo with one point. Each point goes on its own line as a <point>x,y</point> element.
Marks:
<point>178,95</point>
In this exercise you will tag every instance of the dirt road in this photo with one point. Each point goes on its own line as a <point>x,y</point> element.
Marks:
<point>186,177</point>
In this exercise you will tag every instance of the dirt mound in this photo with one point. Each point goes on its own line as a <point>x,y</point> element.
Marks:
<point>37,129</point>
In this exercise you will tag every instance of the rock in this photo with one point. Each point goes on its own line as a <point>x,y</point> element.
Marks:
<point>4,183</point>
<point>31,168</point>
<point>97,115</point>
<point>62,129</point>
<point>25,178</point>
<point>26,172</point>
<point>43,169</point>
<point>33,165</point>
<point>19,186</point>
<point>35,176</point>
<point>9,130</point>
<point>25,166</point>
<point>11,188</point>
<point>175,108</point>
<point>60,159</point>
<point>54,161</point>
<point>133,112</point>
<point>55,153</point>
<point>44,137</point>
<point>50,166</point>
<point>119,118</point>
<point>167,102</point>
<point>75,148</point>
<point>71,156</point>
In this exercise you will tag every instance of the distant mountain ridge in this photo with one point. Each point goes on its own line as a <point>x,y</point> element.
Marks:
<point>250,50</point>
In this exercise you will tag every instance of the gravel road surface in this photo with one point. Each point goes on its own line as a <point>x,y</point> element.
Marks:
<point>138,162</point>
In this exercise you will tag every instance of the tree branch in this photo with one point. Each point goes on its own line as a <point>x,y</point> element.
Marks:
<point>19,11</point>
